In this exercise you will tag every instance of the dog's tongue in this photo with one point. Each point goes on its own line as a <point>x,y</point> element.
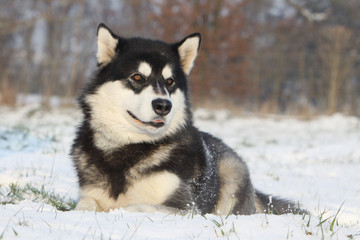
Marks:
<point>158,121</point>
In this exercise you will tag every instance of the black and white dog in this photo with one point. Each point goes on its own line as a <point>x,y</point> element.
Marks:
<point>137,147</point>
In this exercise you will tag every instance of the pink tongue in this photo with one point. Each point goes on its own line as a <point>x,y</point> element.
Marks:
<point>158,121</point>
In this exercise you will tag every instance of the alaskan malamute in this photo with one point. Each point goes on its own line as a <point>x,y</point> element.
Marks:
<point>137,148</point>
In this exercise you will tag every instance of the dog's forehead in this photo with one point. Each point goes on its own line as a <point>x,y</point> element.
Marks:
<point>156,54</point>
<point>146,68</point>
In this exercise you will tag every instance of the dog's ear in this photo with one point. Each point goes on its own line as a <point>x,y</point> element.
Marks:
<point>188,49</point>
<point>106,44</point>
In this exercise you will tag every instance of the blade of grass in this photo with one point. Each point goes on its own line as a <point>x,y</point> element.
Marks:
<point>335,218</point>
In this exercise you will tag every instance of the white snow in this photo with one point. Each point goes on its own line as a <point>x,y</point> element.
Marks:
<point>315,162</point>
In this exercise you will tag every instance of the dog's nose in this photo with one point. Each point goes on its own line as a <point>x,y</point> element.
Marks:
<point>161,106</point>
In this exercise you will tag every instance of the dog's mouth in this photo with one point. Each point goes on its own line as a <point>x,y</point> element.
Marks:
<point>157,123</point>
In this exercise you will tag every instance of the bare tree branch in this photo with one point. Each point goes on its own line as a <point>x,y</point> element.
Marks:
<point>307,14</point>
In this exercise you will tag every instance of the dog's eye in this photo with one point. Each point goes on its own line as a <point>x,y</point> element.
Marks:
<point>170,82</point>
<point>137,77</point>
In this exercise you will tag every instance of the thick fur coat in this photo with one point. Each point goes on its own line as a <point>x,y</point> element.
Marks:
<point>137,148</point>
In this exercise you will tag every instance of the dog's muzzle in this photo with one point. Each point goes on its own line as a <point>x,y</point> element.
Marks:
<point>157,123</point>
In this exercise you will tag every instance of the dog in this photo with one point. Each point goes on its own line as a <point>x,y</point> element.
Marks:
<point>137,147</point>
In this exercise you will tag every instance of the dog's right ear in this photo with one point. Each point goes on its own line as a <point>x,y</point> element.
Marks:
<point>106,44</point>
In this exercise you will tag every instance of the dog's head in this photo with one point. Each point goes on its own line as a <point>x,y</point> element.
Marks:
<point>139,93</point>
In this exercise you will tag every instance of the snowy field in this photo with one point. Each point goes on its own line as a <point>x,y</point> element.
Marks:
<point>315,162</point>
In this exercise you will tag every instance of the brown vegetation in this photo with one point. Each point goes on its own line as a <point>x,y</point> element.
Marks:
<point>301,56</point>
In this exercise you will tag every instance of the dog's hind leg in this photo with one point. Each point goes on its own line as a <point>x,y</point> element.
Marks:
<point>236,190</point>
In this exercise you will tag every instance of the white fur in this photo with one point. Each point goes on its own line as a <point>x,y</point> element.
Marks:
<point>106,46</point>
<point>88,203</point>
<point>188,51</point>
<point>151,208</point>
<point>145,69</point>
<point>152,190</point>
<point>114,127</point>
<point>141,106</point>
<point>167,71</point>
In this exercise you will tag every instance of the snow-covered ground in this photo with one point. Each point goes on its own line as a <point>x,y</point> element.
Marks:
<point>315,162</point>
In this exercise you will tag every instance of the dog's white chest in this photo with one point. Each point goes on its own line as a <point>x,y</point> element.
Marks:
<point>154,189</point>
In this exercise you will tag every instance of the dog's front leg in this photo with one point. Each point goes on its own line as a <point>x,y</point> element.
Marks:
<point>88,204</point>
<point>148,208</point>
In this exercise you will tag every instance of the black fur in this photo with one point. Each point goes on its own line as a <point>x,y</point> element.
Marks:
<point>195,157</point>
<point>276,205</point>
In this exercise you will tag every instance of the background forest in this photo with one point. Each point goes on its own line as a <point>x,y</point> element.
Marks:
<point>281,56</point>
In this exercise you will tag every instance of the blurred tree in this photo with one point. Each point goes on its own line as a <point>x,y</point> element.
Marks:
<point>337,61</point>
<point>219,71</point>
<point>286,56</point>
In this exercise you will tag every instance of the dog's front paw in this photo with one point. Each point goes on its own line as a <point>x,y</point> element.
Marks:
<point>87,204</point>
<point>141,208</point>
<point>150,208</point>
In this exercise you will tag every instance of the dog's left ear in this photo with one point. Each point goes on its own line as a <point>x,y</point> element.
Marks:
<point>188,49</point>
